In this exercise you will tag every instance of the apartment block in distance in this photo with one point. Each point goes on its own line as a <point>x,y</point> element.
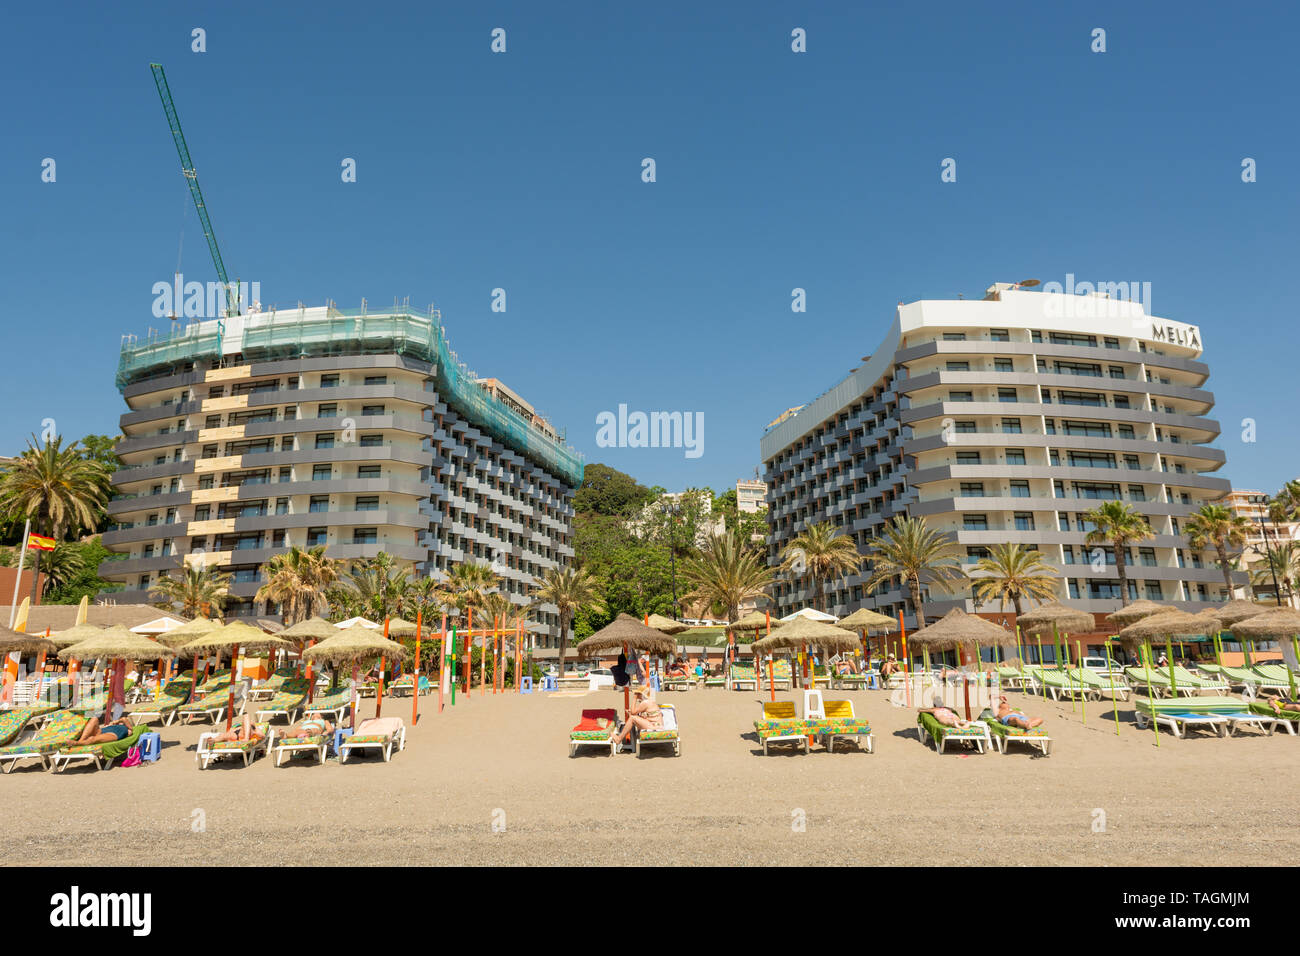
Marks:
<point>1005,420</point>
<point>361,432</point>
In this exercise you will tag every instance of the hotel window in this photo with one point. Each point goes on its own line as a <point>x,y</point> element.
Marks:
<point>1115,371</point>
<point>1007,395</point>
<point>160,459</point>
<point>1047,396</point>
<point>320,473</point>
<point>961,396</point>
<point>1137,493</point>
<point>167,547</point>
<point>286,474</point>
<point>954,336</point>
<point>205,482</point>
<point>369,411</point>
<point>1086,369</point>
<point>217,391</point>
<point>1093,399</point>
<point>1063,522</point>
<point>1035,336</point>
<point>1054,457</point>
<point>1091,459</point>
<point>975,522</point>
<point>1042,365</point>
<point>999,335</point>
<point>974,554</point>
<point>330,410</point>
<point>1153,590</point>
<point>282,506</point>
<point>1131,463</point>
<point>1019,489</point>
<point>968,458</point>
<point>315,537</point>
<point>965,428</point>
<point>1112,343</point>
<point>277,538</point>
<point>1126,431</point>
<point>1015,456</point>
<point>1024,521</point>
<point>1011,426</point>
<point>972,489</point>
<point>1071,338</point>
<point>1003,365</point>
<point>319,503</point>
<point>290,414</point>
<point>371,441</point>
<point>212,421</point>
<point>153,520</point>
<point>171,516</point>
<point>175,486</point>
<point>286,443</point>
<point>376,379</point>
<point>329,381</point>
<point>156,490</point>
<point>1068,551</point>
<point>325,440</point>
<point>367,536</point>
<point>367,503</point>
<point>957,366</point>
<point>367,471</point>
<point>1121,401</point>
<point>1147,556</point>
<point>1049,426</point>
<point>201,512</point>
<point>209,451</point>
<point>148,551</point>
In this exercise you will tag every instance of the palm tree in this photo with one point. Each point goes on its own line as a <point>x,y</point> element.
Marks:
<point>376,587</point>
<point>1282,562</point>
<point>917,553</point>
<point>424,596</point>
<point>199,590</point>
<point>1216,526</point>
<point>727,573</point>
<point>467,584</point>
<point>568,589</point>
<point>54,487</point>
<point>298,581</point>
<point>822,552</point>
<point>1118,525</point>
<point>1284,507</point>
<point>62,565</point>
<point>1014,572</point>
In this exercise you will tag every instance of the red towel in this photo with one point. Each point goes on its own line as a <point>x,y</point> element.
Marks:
<point>597,720</point>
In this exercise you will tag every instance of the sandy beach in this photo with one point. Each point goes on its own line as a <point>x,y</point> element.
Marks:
<point>504,761</point>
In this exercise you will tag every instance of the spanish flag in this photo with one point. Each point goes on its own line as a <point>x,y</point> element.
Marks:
<point>36,542</point>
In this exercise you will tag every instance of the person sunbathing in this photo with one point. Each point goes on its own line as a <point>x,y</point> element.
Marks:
<point>96,732</point>
<point>642,715</point>
<point>945,716</point>
<point>890,667</point>
<point>241,733</point>
<point>843,668</point>
<point>309,727</point>
<point>1016,718</point>
<point>1280,703</point>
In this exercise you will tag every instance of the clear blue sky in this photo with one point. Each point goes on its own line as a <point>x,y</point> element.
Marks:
<point>775,170</point>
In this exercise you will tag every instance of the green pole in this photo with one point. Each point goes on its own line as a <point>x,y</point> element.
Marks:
<point>1218,649</point>
<point>1150,694</point>
<point>1173,678</point>
<point>1020,658</point>
<point>1110,675</point>
<point>452,660</point>
<point>1039,639</point>
<point>1061,645</point>
<point>1249,648</point>
<point>1083,690</point>
<point>1290,674</point>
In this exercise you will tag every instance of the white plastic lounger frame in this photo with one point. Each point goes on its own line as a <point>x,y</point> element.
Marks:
<point>1043,743</point>
<point>205,755</point>
<point>980,742</point>
<point>385,747</point>
<point>319,744</point>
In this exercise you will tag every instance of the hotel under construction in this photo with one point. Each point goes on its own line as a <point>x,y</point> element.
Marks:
<point>1005,420</point>
<point>361,432</point>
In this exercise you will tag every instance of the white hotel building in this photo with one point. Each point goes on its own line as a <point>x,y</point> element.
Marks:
<point>1006,419</point>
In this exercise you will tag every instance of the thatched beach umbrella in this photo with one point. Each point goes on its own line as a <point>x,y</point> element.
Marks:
<point>178,638</point>
<point>398,627</point>
<point>803,631</point>
<point>18,642</point>
<point>1135,612</point>
<point>120,645</point>
<point>306,633</point>
<point>626,633</point>
<point>753,621</point>
<point>1277,623</point>
<point>863,620</point>
<point>954,629</point>
<point>1168,624</point>
<point>1053,618</point>
<point>229,640</point>
<point>75,634</point>
<point>666,625</point>
<point>1236,611</point>
<point>352,645</point>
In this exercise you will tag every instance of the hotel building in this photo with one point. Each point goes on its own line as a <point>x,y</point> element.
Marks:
<point>1253,506</point>
<point>361,432</point>
<point>751,494</point>
<point>1005,420</point>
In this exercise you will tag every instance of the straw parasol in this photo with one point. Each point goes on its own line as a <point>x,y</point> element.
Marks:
<point>956,628</point>
<point>16,642</point>
<point>1055,617</point>
<point>1135,612</point>
<point>397,627</point>
<point>312,629</point>
<point>179,636</point>
<point>666,625</point>
<point>627,631</point>
<point>1237,610</point>
<point>1168,624</point>
<point>801,631</point>
<point>864,619</point>
<point>811,613</point>
<point>231,639</point>
<point>753,621</point>
<point>1270,625</point>
<point>352,645</point>
<point>118,643</point>
<point>76,634</point>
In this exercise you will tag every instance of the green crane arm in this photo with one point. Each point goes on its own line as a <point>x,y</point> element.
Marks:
<point>192,177</point>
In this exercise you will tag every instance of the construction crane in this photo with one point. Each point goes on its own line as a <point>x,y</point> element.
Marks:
<point>192,178</point>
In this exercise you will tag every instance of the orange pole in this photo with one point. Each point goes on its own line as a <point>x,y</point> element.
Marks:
<point>469,649</point>
<point>442,661</point>
<point>230,700</point>
<point>311,681</point>
<point>379,691</point>
<point>415,691</point>
<point>771,679</point>
<point>496,653</point>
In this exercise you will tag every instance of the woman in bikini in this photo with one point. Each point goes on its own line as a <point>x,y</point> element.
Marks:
<point>644,714</point>
<point>245,732</point>
<point>945,716</point>
<point>96,732</point>
<point>309,727</point>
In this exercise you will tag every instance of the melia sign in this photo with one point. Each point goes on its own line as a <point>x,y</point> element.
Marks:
<point>1176,333</point>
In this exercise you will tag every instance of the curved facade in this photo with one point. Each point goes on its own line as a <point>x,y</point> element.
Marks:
<point>1005,419</point>
<point>317,428</point>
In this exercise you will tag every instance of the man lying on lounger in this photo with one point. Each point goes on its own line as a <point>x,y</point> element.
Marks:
<point>945,716</point>
<point>242,733</point>
<point>1280,703</point>
<point>1014,718</point>
<point>96,732</point>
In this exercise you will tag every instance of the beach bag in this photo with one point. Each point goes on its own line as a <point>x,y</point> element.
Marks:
<point>132,758</point>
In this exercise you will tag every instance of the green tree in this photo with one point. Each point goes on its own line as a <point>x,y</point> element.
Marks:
<point>1217,527</point>
<point>299,581</point>
<point>568,589</point>
<point>607,491</point>
<point>1281,564</point>
<point>1118,525</point>
<point>195,591</point>
<point>1013,572</point>
<point>910,549</point>
<point>822,552</point>
<point>727,573</point>
<point>86,582</point>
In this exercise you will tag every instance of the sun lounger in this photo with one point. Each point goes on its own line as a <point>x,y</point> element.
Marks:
<point>1200,682</point>
<point>1012,678</point>
<point>742,677</point>
<point>678,683</point>
<point>164,706</point>
<point>668,734</point>
<point>840,721</point>
<point>317,744</point>
<point>939,736</point>
<point>1233,676</point>
<point>779,725</point>
<point>1003,734</point>
<point>332,704</point>
<point>1288,720</point>
<point>1058,683</point>
<point>13,722</point>
<point>375,733</point>
<point>62,728</point>
<point>1224,715</point>
<point>210,749</point>
<point>101,755</point>
<point>597,728</point>
<point>212,706</point>
<point>1100,682</point>
<point>286,701</point>
<point>405,685</point>
<point>210,683</point>
<point>715,682</point>
<point>1140,678</point>
<point>269,687</point>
